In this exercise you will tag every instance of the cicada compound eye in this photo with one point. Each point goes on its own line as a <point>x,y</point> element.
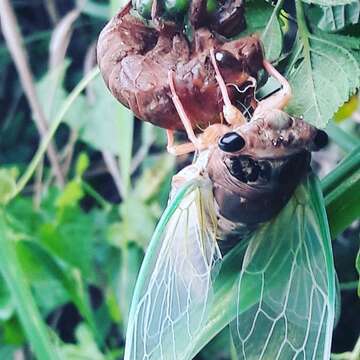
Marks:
<point>321,139</point>
<point>231,142</point>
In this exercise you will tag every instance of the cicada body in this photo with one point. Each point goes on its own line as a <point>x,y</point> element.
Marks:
<point>282,302</point>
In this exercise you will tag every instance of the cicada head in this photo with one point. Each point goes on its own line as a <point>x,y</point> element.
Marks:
<point>256,167</point>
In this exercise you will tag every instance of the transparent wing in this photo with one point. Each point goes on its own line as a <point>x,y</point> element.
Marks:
<point>289,272</point>
<point>174,289</point>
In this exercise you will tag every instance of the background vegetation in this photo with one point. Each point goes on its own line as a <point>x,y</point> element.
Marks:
<point>74,224</point>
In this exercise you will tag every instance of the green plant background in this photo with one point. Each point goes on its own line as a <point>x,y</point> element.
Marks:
<point>70,255</point>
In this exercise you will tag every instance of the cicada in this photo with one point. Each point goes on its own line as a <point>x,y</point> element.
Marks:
<point>250,187</point>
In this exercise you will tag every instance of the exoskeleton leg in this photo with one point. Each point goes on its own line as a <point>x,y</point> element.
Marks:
<point>232,114</point>
<point>180,149</point>
<point>281,98</point>
<point>181,111</point>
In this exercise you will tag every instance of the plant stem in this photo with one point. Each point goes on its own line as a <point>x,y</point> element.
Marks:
<point>97,197</point>
<point>349,165</point>
<point>343,205</point>
<point>114,170</point>
<point>340,189</point>
<point>352,285</point>
<point>346,141</point>
<point>54,126</point>
<point>14,41</point>
<point>33,325</point>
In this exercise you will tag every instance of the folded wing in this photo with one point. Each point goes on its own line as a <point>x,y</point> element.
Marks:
<point>174,289</point>
<point>288,270</point>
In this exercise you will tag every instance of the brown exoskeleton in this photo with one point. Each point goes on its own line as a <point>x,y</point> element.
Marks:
<point>151,68</point>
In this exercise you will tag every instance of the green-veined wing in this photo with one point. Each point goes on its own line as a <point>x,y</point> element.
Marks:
<point>174,288</point>
<point>289,268</point>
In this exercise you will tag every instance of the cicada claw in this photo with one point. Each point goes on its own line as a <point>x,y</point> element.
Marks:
<point>232,114</point>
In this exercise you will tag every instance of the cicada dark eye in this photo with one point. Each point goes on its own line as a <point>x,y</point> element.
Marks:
<point>321,139</point>
<point>231,142</point>
<point>226,59</point>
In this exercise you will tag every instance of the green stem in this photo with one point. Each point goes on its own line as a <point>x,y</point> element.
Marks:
<point>349,165</point>
<point>24,179</point>
<point>29,315</point>
<point>97,197</point>
<point>341,188</point>
<point>352,285</point>
<point>343,205</point>
<point>345,140</point>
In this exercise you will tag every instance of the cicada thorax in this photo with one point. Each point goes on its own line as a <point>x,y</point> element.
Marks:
<point>256,167</point>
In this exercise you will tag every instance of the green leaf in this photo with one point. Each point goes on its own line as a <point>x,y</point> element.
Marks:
<point>335,18</point>
<point>71,195</point>
<point>34,327</point>
<point>82,163</point>
<point>272,36</point>
<point>101,128</point>
<point>71,239</point>
<point>6,303</point>
<point>138,221</point>
<point>13,333</point>
<point>7,352</point>
<point>95,9</point>
<point>347,109</point>
<point>153,177</point>
<point>116,5</point>
<point>330,74</point>
<point>7,185</point>
<point>63,111</point>
<point>99,124</point>
<point>342,206</point>
<point>49,92</point>
<point>257,16</point>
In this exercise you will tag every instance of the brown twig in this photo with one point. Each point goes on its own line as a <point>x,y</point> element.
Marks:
<point>69,151</point>
<point>14,42</point>
<point>112,165</point>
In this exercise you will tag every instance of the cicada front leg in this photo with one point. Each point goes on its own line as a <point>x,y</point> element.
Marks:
<point>232,114</point>
<point>180,149</point>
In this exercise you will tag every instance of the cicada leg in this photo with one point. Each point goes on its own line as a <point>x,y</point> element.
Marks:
<point>180,149</point>
<point>181,111</point>
<point>281,98</point>
<point>232,114</point>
